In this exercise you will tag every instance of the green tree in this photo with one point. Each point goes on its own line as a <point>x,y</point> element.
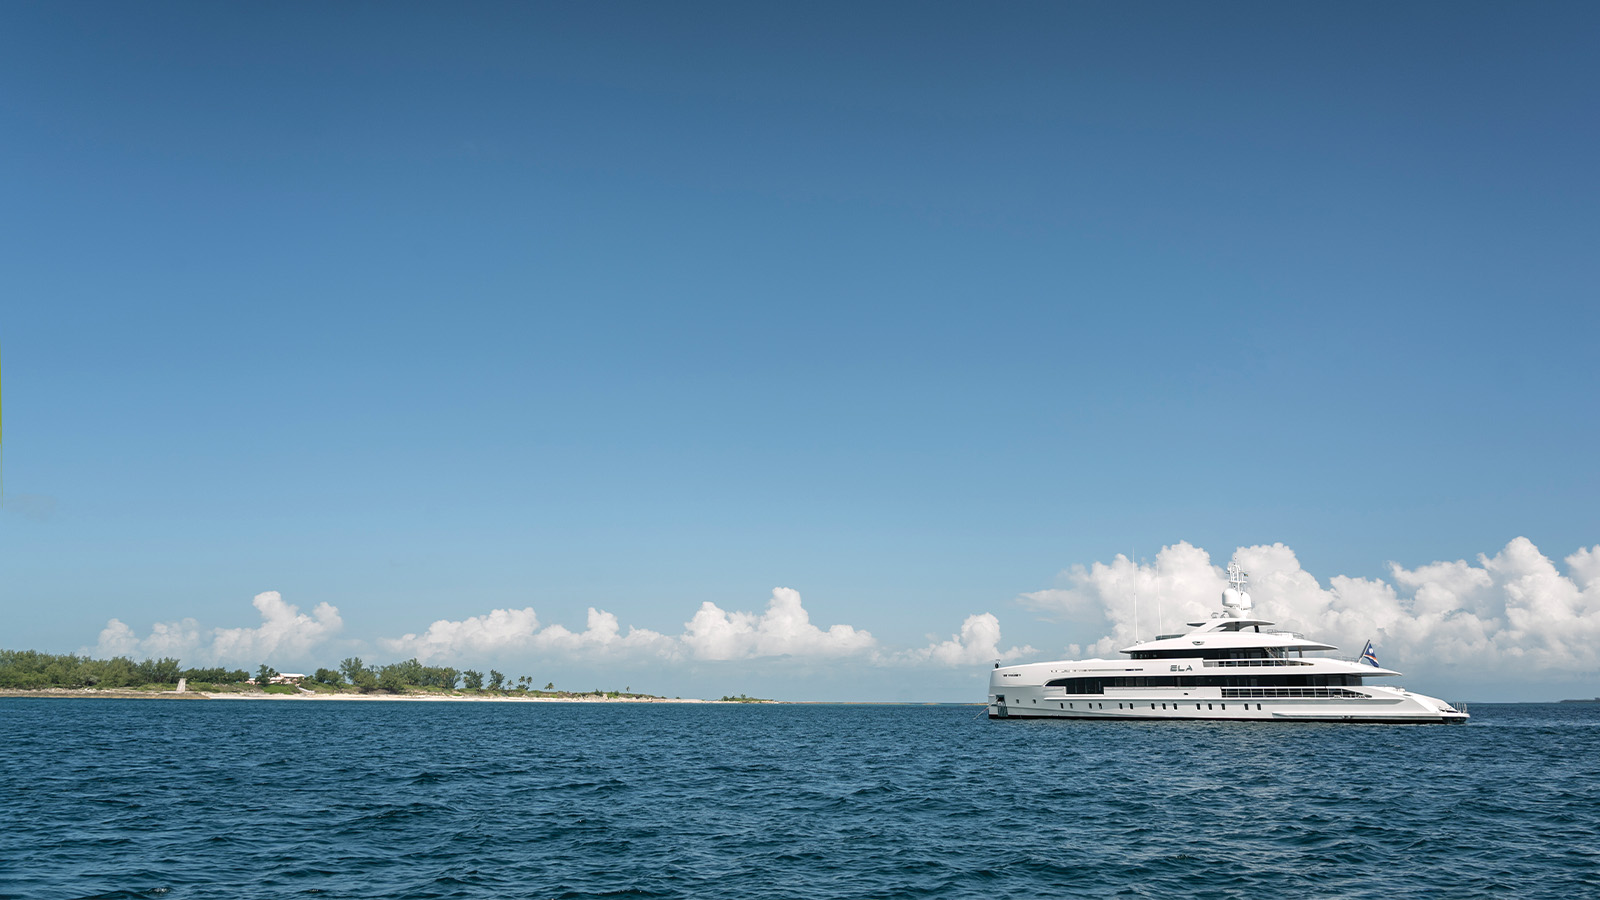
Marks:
<point>550,686</point>
<point>216,676</point>
<point>365,681</point>
<point>351,667</point>
<point>410,671</point>
<point>328,676</point>
<point>264,675</point>
<point>391,680</point>
<point>472,680</point>
<point>497,680</point>
<point>158,671</point>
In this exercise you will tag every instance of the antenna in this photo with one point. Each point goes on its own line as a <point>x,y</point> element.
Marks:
<point>1161,620</point>
<point>1235,599</point>
<point>1135,603</point>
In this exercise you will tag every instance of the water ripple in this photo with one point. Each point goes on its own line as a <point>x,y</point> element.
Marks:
<point>147,799</point>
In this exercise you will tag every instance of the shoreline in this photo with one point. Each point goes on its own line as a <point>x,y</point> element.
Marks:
<point>119,694</point>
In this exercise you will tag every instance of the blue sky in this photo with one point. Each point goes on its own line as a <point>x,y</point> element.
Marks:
<point>427,311</point>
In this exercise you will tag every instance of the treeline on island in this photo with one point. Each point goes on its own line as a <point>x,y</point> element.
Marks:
<point>32,670</point>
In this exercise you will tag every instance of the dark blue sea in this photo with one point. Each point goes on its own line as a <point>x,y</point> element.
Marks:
<point>203,799</point>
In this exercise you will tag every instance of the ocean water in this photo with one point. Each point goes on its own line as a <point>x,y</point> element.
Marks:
<point>202,799</point>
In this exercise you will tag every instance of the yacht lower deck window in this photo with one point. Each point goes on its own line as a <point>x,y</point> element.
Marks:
<point>1295,693</point>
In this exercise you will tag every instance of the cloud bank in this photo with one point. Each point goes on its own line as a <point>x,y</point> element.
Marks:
<point>712,634</point>
<point>504,631</point>
<point>1514,611</point>
<point>284,632</point>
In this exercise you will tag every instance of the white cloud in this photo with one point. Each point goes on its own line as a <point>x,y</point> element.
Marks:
<point>518,630</point>
<point>1514,610</point>
<point>713,633</point>
<point>978,643</point>
<point>284,633</point>
<point>785,629</point>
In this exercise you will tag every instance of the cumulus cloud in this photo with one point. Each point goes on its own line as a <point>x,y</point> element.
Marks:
<point>782,630</point>
<point>507,630</point>
<point>785,629</point>
<point>1514,608</point>
<point>284,633</point>
<point>978,643</point>
<point>713,633</point>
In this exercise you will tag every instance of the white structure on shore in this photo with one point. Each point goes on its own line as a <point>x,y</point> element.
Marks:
<point>1226,667</point>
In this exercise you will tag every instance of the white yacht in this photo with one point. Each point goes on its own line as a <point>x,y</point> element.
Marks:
<point>1229,667</point>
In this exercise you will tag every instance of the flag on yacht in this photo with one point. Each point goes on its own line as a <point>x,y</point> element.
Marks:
<point>1370,658</point>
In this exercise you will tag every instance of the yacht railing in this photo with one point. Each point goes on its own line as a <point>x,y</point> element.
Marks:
<point>1349,659</point>
<point>1255,662</point>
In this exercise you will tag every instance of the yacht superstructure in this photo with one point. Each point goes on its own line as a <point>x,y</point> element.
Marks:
<point>1230,666</point>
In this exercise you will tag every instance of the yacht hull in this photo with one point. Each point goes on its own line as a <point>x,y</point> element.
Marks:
<point>1383,706</point>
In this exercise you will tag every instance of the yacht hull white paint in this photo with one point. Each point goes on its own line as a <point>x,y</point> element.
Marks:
<point>1381,704</point>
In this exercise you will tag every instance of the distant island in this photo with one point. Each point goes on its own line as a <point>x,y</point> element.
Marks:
<point>1594,700</point>
<point>48,674</point>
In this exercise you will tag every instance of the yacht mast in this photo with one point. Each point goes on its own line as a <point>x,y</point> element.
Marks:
<point>1235,599</point>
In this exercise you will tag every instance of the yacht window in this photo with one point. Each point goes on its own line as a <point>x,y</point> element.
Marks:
<point>1197,706</point>
<point>1152,706</point>
<point>1209,706</point>
<point>1224,706</point>
<point>1063,706</point>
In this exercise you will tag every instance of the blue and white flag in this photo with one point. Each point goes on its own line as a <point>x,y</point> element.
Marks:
<point>1370,658</point>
